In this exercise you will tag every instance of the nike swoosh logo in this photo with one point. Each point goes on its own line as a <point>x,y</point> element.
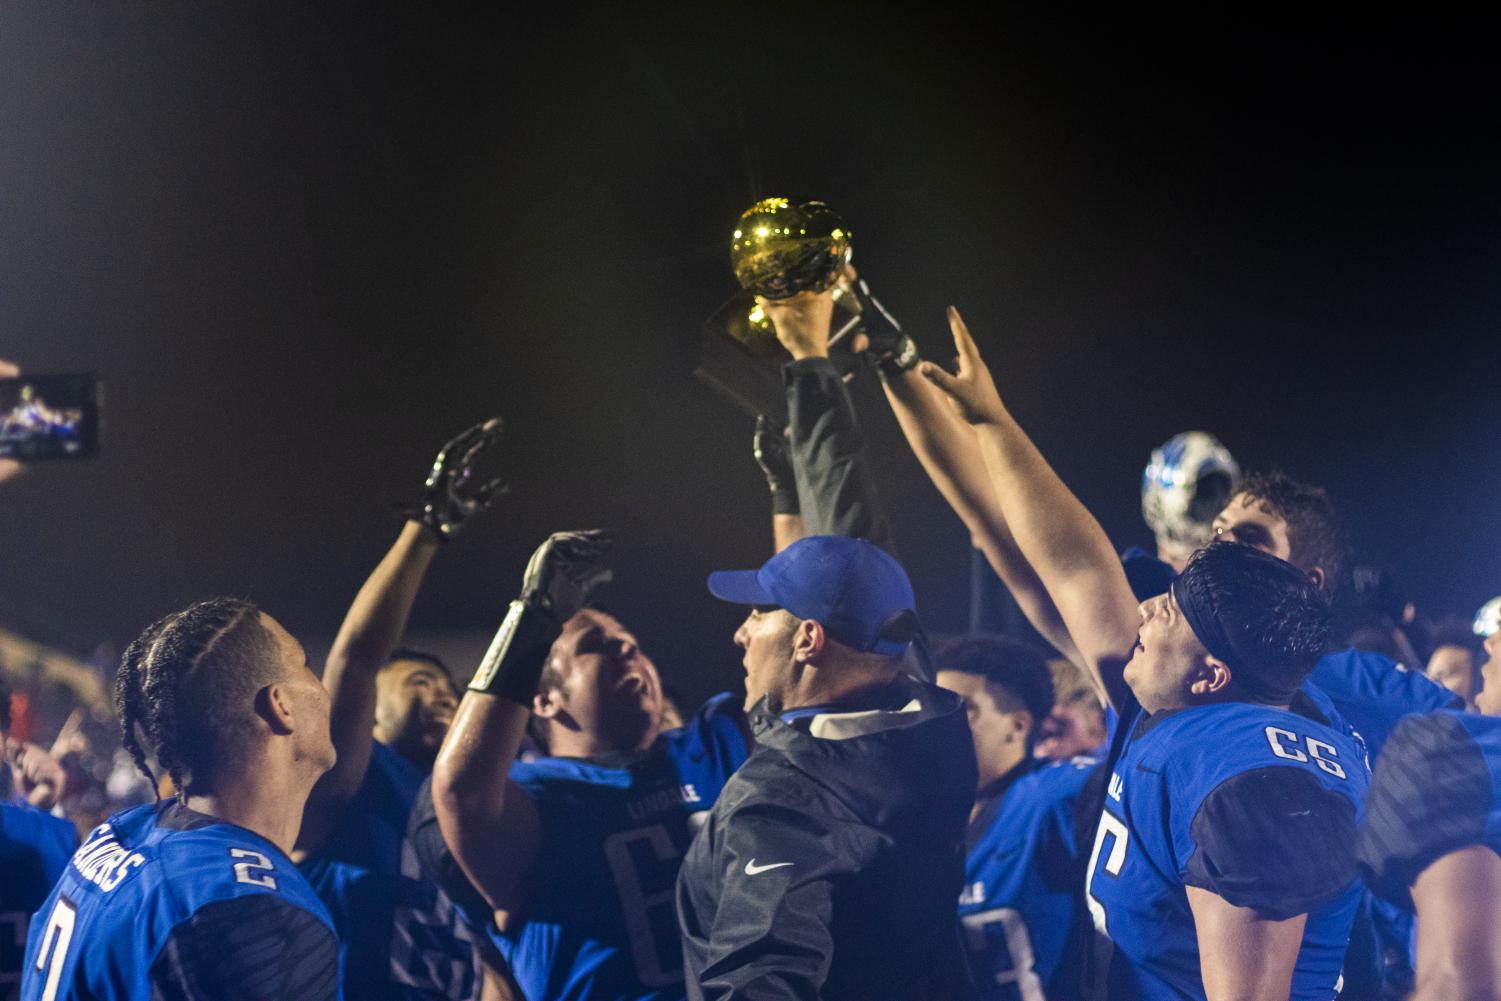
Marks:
<point>751,868</point>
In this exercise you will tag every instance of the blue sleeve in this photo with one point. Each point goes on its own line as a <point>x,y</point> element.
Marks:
<point>1434,792</point>
<point>1373,692</point>
<point>719,729</point>
<point>1275,840</point>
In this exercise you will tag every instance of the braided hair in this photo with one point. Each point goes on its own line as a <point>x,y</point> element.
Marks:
<point>187,685</point>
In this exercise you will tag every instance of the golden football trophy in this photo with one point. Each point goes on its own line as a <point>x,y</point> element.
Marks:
<point>778,249</point>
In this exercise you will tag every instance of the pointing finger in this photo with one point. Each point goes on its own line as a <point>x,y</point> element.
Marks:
<point>969,354</point>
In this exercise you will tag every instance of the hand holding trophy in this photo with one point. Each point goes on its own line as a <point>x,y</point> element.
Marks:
<point>799,298</point>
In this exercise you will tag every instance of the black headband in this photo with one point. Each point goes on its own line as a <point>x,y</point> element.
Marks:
<point>1194,601</point>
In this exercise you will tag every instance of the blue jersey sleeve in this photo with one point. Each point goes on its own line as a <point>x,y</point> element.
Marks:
<point>1373,692</point>
<point>718,733</point>
<point>1275,840</point>
<point>1434,792</point>
<point>34,849</point>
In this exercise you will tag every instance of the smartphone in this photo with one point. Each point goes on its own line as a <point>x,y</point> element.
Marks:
<point>49,417</point>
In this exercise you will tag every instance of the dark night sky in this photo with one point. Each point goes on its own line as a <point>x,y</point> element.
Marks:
<point>303,244</point>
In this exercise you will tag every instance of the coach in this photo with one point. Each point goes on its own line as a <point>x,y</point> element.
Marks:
<point>829,867</point>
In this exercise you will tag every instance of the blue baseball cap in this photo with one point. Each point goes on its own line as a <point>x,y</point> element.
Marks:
<point>855,590</point>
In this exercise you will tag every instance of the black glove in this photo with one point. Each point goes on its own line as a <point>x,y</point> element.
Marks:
<point>893,351</point>
<point>564,570</point>
<point>450,496</point>
<point>770,448</point>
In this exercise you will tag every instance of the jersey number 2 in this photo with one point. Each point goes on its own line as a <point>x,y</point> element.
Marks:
<point>55,941</point>
<point>251,861</point>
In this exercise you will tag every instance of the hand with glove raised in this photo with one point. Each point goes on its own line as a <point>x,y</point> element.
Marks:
<point>453,493</point>
<point>769,445</point>
<point>559,578</point>
<point>882,337</point>
<point>564,571</point>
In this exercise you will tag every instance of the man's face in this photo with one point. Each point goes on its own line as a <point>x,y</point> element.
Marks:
<point>1454,668</point>
<point>999,728</point>
<point>1250,522</point>
<point>309,700</point>
<point>1075,726</point>
<point>1166,658</point>
<point>610,689</point>
<point>766,636</point>
<point>1489,699</point>
<point>414,707</point>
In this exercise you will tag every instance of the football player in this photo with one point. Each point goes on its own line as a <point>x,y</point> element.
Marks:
<point>398,935</point>
<point>1297,522</point>
<point>34,845</point>
<point>1223,865</point>
<point>195,896</point>
<point>1453,662</point>
<point>1023,866</point>
<point>1432,835</point>
<point>1288,519</point>
<point>576,852</point>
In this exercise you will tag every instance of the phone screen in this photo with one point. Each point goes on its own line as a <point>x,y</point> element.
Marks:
<point>49,417</point>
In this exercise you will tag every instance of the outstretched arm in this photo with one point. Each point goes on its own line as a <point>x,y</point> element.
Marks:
<point>371,630</point>
<point>949,451</point>
<point>827,450</point>
<point>378,618</point>
<point>489,822</point>
<point>1064,544</point>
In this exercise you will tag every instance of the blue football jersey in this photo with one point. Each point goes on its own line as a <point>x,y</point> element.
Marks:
<point>1255,804</point>
<point>1021,884</point>
<point>159,895</point>
<point>599,920</point>
<point>399,937</point>
<point>1437,789</point>
<point>34,848</point>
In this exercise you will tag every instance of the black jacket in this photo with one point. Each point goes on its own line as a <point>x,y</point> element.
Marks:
<point>831,865</point>
<point>835,488</point>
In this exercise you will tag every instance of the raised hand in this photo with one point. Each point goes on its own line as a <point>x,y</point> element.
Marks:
<point>36,775</point>
<point>564,571</point>
<point>971,390</point>
<point>452,494</point>
<point>769,445</point>
<point>802,322</point>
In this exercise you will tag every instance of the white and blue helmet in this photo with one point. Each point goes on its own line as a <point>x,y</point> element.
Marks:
<point>1189,479</point>
<point>1488,619</point>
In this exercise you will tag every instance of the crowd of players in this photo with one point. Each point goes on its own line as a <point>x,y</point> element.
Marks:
<point>1200,796</point>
